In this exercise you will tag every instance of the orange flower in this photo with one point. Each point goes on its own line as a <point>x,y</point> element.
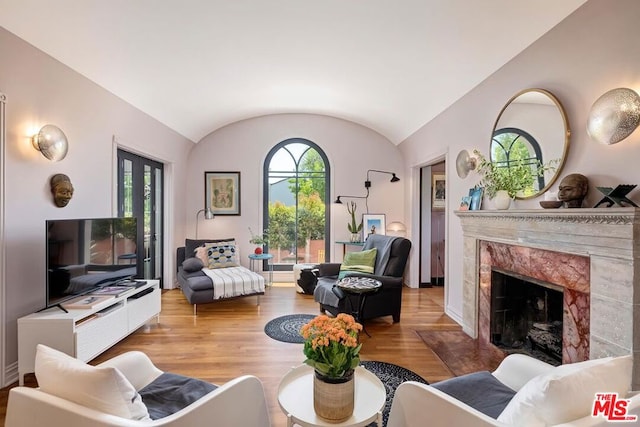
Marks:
<point>331,344</point>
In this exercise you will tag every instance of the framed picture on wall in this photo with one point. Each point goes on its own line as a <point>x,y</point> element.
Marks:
<point>438,188</point>
<point>222,192</point>
<point>373,224</point>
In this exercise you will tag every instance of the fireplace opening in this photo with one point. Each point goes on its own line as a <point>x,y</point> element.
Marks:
<point>526,316</point>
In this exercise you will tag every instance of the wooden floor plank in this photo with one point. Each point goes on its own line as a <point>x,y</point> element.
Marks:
<point>226,339</point>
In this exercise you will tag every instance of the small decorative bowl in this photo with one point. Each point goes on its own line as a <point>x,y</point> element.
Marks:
<point>551,204</point>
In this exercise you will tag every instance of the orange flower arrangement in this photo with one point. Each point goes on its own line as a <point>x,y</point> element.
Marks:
<point>331,344</point>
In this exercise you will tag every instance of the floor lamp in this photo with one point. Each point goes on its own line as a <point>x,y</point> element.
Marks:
<point>208,214</point>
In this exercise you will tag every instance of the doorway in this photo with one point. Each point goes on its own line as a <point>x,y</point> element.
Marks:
<point>141,195</point>
<point>432,225</point>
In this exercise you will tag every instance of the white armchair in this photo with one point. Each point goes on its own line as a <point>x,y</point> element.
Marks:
<point>239,402</point>
<point>415,404</point>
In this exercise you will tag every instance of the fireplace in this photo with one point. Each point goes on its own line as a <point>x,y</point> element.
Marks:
<point>568,273</point>
<point>592,254</point>
<point>526,316</point>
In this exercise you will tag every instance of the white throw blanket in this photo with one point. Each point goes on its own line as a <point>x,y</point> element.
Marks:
<point>234,281</point>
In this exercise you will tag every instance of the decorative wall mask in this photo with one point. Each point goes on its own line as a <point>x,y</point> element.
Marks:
<point>614,116</point>
<point>62,189</point>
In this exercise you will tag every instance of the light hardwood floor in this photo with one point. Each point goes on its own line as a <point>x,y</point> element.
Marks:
<point>226,339</point>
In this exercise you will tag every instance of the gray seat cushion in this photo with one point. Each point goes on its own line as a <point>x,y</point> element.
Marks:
<point>170,393</point>
<point>480,390</point>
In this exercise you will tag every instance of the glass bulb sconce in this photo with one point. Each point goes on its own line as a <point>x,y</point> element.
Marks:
<point>51,142</point>
<point>614,116</point>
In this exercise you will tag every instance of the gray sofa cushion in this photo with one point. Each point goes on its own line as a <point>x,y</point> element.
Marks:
<point>480,390</point>
<point>170,393</point>
<point>192,264</point>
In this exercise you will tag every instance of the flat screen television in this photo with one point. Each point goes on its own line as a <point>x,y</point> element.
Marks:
<point>86,254</point>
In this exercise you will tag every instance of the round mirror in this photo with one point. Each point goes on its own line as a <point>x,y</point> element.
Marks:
<point>532,128</point>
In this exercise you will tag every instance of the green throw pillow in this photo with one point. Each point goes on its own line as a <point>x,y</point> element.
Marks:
<point>358,262</point>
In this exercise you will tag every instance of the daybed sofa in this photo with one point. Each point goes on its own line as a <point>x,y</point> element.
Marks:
<point>521,392</point>
<point>205,285</point>
<point>390,262</point>
<point>128,391</point>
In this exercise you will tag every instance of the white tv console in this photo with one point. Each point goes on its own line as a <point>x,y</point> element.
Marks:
<point>85,333</point>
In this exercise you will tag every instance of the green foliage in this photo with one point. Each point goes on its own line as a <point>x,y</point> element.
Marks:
<point>311,210</point>
<point>259,239</point>
<point>281,225</point>
<point>311,165</point>
<point>332,361</point>
<point>353,226</point>
<point>516,179</point>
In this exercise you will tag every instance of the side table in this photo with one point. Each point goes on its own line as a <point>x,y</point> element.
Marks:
<point>262,257</point>
<point>295,396</point>
<point>360,286</point>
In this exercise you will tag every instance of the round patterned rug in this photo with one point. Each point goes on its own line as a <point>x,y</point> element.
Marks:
<point>391,376</point>
<point>287,328</point>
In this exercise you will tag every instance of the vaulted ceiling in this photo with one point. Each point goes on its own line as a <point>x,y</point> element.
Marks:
<point>198,65</point>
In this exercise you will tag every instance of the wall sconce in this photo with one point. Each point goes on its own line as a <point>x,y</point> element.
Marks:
<point>51,142</point>
<point>614,116</point>
<point>208,214</point>
<point>396,228</point>
<point>394,178</point>
<point>465,163</point>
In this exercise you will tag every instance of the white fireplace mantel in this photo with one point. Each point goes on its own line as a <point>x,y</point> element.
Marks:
<point>610,237</point>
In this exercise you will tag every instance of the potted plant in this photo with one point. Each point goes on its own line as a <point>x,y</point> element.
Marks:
<point>504,183</point>
<point>332,350</point>
<point>353,226</point>
<point>259,239</point>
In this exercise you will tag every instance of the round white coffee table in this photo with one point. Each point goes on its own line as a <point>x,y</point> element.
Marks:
<point>295,396</point>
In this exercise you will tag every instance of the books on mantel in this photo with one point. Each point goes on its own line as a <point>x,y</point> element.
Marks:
<point>86,301</point>
<point>112,290</point>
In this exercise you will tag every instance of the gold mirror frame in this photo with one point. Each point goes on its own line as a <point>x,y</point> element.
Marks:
<point>549,144</point>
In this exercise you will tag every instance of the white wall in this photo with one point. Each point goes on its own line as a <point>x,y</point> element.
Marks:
<point>41,90</point>
<point>592,51</point>
<point>242,146</point>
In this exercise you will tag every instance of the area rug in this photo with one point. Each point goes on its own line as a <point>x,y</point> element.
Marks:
<point>287,328</point>
<point>391,376</point>
<point>459,352</point>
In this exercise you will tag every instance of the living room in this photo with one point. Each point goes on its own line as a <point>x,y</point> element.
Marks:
<point>587,54</point>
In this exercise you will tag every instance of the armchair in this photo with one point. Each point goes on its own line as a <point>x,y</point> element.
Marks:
<point>543,395</point>
<point>239,402</point>
<point>391,260</point>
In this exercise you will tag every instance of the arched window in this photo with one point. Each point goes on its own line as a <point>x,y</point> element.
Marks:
<point>295,204</point>
<point>512,145</point>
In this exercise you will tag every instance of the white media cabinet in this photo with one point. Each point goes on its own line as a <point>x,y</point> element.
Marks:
<point>85,333</point>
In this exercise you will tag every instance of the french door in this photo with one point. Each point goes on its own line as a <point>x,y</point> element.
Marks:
<point>140,195</point>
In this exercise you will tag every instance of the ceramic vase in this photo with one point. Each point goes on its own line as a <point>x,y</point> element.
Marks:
<point>502,200</point>
<point>258,250</point>
<point>333,397</point>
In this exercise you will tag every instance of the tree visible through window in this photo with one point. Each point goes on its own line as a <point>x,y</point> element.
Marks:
<point>296,213</point>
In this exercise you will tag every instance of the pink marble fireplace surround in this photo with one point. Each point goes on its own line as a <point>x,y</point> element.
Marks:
<point>568,271</point>
<point>594,254</point>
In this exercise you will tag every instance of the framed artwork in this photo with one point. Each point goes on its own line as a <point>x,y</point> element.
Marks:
<point>476,194</point>
<point>439,191</point>
<point>222,192</point>
<point>465,203</point>
<point>373,224</point>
